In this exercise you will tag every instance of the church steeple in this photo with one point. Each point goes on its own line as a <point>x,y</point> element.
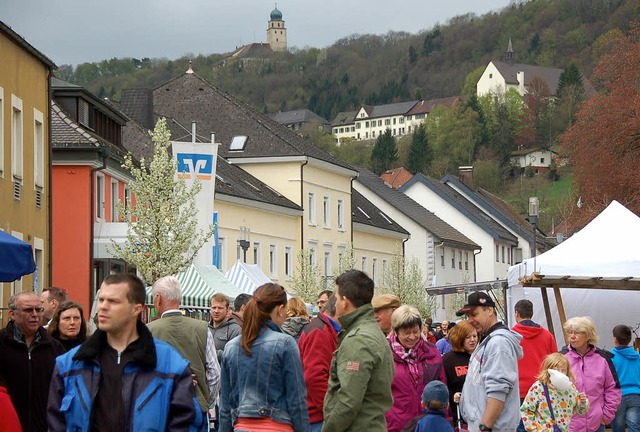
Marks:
<point>276,31</point>
<point>509,53</point>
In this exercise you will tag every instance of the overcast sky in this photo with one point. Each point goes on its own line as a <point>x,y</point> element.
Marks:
<point>77,31</point>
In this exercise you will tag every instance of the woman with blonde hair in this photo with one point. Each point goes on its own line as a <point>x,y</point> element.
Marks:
<point>417,362</point>
<point>261,371</point>
<point>463,338</point>
<point>297,317</point>
<point>553,399</point>
<point>595,375</point>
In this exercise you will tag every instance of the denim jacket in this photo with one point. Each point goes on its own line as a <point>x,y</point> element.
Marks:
<point>270,383</point>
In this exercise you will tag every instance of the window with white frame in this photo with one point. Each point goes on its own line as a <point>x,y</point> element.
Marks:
<point>99,196</point>
<point>497,253</point>
<point>459,260</point>
<point>340,214</point>
<point>313,259</point>
<point>364,264</point>
<point>222,252</point>
<point>453,258</point>
<point>442,257</point>
<point>374,270</point>
<point>384,270</point>
<point>503,253</point>
<point>257,255</point>
<point>341,252</point>
<point>273,260</point>
<point>509,255</point>
<point>312,208</point>
<point>114,200</point>
<point>288,261</point>
<point>38,155</point>
<point>326,212</point>
<point>17,139</point>
<point>466,260</point>
<point>1,132</point>
<point>327,264</point>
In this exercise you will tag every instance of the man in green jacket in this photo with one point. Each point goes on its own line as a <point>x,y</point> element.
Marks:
<point>362,370</point>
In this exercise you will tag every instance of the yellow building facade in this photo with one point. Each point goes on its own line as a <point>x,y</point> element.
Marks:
<point>24,154</point>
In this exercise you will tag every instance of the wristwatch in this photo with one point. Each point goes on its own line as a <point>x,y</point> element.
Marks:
<point>484,428</point>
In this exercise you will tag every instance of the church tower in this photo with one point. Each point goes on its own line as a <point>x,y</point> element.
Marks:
<point>276,31</point>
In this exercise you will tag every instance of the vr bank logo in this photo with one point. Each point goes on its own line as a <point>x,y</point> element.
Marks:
<point>190,164</point>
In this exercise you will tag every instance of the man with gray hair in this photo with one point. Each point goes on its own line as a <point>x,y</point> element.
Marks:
<point>189,336</point>
<point>318,341</point>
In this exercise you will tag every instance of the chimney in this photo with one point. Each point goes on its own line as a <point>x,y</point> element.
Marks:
<point>465,175</point>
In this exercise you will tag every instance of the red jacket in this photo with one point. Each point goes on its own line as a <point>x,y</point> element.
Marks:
<point>8,417</point>
<point>537,342</point>
<point>317,343</point>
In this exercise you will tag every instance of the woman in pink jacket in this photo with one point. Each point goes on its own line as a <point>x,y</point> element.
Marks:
<point>595,376</point>
<point>417,362</point>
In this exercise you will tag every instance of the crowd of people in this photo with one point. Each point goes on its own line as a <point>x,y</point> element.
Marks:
<point>363,363</point>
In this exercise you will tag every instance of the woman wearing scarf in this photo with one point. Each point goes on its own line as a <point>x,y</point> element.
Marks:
<point>417,362</point>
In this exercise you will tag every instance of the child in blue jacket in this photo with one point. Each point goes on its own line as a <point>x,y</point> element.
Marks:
<point>435,398</point>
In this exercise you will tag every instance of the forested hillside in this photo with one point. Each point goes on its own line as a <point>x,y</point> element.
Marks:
<point>376,69</point>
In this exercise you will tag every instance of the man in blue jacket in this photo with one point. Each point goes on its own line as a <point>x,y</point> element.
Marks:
<point>121,378</point>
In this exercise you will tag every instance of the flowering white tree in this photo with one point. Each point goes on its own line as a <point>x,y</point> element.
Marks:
<point>307,282</point>
<point>162,237</point>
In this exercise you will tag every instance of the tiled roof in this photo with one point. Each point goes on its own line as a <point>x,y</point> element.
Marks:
<point>344,118</point>
<point>425,107</point>
<point>396,177</point>
<point>501,210</point>
<point>137,103</point>
<point>390,109</point>
<point>528,151</point>
<point>509,71</point>
<point>466,207</point>
<point>67,134</point>
<point>364,212</point>
<point>415,211</point>
<point>253,50</point>
<point>189,98</point>
<point>297,116</point>
<point>234,181</point>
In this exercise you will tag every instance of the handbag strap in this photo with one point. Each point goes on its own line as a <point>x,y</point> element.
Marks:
<point>546,394</point>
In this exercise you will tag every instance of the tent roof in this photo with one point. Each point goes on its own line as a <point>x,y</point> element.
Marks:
<point>16,258</point>
<point>247,277</point>
<point>199,283</point>
<point>606,247</point>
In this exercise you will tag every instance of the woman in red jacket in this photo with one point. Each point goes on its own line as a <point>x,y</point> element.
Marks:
<point>9,421</point>
<point>417,362</point>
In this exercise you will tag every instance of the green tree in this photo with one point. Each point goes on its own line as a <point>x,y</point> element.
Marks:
<point>164,238</point>
<point>405,279</point>
<point>384,153</point>
<point>420,153</point>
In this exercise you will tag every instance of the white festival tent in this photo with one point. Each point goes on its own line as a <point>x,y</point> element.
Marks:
<point>247,277</point>
<point>595,272</point>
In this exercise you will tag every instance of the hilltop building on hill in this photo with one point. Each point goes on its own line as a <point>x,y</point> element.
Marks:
<point>298,119</point>
<point>369,122</point>
<point>276,31</point>
<point>500,76</point>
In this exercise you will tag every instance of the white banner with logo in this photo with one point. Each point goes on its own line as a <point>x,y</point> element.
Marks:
<point>198,160</point>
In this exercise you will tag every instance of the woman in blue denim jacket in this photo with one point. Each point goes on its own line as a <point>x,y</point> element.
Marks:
<point>262,380</point>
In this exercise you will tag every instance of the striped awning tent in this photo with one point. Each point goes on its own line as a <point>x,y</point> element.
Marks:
<point>199,283</point>
<point>247,277</point>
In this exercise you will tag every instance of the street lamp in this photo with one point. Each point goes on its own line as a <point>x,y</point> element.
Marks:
<point>533,218</point>
<point>244,242</point>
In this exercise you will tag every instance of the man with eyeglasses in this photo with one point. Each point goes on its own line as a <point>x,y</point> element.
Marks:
<point>27,358</point>
<point>323,297</point>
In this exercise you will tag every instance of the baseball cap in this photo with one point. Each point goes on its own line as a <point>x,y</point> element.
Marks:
<point>384,301</point>
<point>476,298</point>
<point>435,391</point>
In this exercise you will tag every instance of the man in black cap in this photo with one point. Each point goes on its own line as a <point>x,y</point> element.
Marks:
<point>490,397</point>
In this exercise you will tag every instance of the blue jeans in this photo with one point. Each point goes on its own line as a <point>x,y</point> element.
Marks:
<point>315,427</point>
<point>629,413</point>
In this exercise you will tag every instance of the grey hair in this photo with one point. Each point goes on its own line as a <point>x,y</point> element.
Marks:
<point>168,287</point>
<point>13,300</point>
<point>330,305</point>
<point>582,324</point>
<point>405,316</point>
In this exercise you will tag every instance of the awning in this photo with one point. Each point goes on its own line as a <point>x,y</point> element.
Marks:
<point>16,258</point>
<point>199,283</point>
<point>247,277</point>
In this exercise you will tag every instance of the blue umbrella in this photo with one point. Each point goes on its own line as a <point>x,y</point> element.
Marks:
<point>16,258</point>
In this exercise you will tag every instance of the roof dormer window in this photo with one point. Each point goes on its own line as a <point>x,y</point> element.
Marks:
<point>238,142</point>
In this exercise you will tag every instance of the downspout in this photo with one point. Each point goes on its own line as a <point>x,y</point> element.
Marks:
<point>50,180</point>
<point>105,153</point>
<point>302,201</point>
<point>352,179</point>
<point>475,268</point>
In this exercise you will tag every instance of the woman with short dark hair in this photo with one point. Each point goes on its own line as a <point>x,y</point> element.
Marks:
<point>68,325</point>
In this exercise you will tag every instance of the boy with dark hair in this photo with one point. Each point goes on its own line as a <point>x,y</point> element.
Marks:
<point>435,398</point>
<point>627,363</point>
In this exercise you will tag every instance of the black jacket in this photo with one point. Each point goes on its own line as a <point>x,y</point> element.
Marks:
<point>28,374</point>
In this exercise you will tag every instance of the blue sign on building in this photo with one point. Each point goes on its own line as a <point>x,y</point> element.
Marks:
<point>200,165</point>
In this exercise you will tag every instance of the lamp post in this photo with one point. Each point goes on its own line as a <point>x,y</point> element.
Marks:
<point>244,242</point>
<point>533,218</point>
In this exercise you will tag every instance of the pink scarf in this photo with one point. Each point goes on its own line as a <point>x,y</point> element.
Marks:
<point>410,356</point>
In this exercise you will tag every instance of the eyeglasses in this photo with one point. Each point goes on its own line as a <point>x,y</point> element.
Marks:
<point>31,310</point>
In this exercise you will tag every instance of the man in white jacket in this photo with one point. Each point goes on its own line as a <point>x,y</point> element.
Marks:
<point>490,397</point>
